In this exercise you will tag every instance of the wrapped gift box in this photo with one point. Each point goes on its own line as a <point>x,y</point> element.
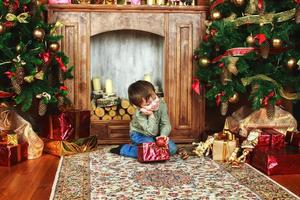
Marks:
<point>293,138</point>
<point>271,137</point>
<point>222,149</point>
<point>64,148</point>
<point>13,154</point>
<point>274,161</point>
<point>68,125</point>
<point>150,152</point>
<point>8,137</point>
<point>3,136</point>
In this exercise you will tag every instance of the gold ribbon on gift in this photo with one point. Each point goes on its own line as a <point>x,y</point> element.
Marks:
<point>57,25</point>
<point>20,18</point>
<point>265,19</point>
<point>283,93</point>
<point>12,139</point>
<point>225,149</point>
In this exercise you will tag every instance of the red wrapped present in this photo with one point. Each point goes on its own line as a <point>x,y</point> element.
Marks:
<point>274,161</point>
<point>150,152</point>
<point>293,138</point>
<point>68,125</point>
<point>271,137</point>
<point>12,154</point>
<point>264,140</point>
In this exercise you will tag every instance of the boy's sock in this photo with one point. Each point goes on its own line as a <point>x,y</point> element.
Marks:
<point>116,150</point>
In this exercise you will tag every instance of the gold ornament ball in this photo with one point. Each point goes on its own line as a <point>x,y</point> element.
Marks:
<point>291,63</point>
<point>215,15</point>
<point>234,98</point>
<point>204,62</point>
<point>276,43</point>
<point>39,34</point>
<point>250,40</point>
<point>54,47</point>
<point>238,2</point>
<point>2,28</point>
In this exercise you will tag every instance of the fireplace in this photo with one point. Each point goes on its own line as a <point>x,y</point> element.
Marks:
<point>177,31</point>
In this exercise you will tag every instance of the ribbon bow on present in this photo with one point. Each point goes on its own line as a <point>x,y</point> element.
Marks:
<point>20,18</point>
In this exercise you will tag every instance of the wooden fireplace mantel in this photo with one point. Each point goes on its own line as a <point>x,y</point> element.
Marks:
<point>181,28</point>
<point>125,8</point>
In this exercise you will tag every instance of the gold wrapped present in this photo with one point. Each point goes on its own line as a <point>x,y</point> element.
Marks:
<point>223,146</point>
<point>65,148</point>
<point>8,137</point>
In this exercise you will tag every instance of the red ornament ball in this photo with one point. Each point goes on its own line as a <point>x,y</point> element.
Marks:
<point>161,142</point>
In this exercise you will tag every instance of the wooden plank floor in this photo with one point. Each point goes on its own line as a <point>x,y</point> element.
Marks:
<point>32,179</point>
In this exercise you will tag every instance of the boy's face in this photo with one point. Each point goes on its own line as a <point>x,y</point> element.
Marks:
<point>152,103</point>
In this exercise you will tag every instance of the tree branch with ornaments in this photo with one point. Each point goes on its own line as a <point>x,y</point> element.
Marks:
<point>250,48</point>
<point>32,67</point>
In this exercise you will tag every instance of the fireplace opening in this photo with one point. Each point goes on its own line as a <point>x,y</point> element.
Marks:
<point>119,58</point>
<point>125,56</point>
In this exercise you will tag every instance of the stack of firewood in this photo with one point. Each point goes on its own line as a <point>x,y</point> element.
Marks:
<point>123,111</point>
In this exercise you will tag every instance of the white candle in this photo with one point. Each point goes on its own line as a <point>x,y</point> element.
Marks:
<point>108,86</point>
<point>147,77</point>
<point>150,2</point>
<point>96,84</point>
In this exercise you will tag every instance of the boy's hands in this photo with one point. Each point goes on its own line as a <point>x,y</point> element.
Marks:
<point>146,111</point>
<point>165,138</point>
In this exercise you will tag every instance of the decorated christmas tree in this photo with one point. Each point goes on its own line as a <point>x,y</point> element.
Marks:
<point>251,47</point>
<point>32,69</point>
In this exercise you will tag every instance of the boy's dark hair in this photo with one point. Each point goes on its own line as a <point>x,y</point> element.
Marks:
<point>139,90</point>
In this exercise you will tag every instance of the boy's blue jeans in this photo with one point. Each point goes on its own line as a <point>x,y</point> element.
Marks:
<point>131,150</point>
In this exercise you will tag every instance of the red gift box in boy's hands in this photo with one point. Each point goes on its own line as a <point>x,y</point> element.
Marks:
<point>150,152</point>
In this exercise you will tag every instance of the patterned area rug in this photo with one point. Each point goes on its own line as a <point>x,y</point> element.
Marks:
<point>102,175</point>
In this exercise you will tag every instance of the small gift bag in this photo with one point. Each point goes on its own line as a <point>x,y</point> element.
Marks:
<point>150,152</point>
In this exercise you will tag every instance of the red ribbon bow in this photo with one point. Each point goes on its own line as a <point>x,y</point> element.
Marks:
<point>261,38</point>
<point>9,74</point>
<point>61,64</point>
<point>196,86</point>
<point>65,88</point>
<point>218,98</point>
<point>260,5</point>
<point>266,99</point>
<point>5,94</point>
<point>45,56</point>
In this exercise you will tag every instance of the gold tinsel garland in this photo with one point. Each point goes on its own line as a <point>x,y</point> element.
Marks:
<point>264,19</point>
<point>283,93</point>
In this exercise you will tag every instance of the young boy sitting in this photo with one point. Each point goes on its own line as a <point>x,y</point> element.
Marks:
<point>150,120</point>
